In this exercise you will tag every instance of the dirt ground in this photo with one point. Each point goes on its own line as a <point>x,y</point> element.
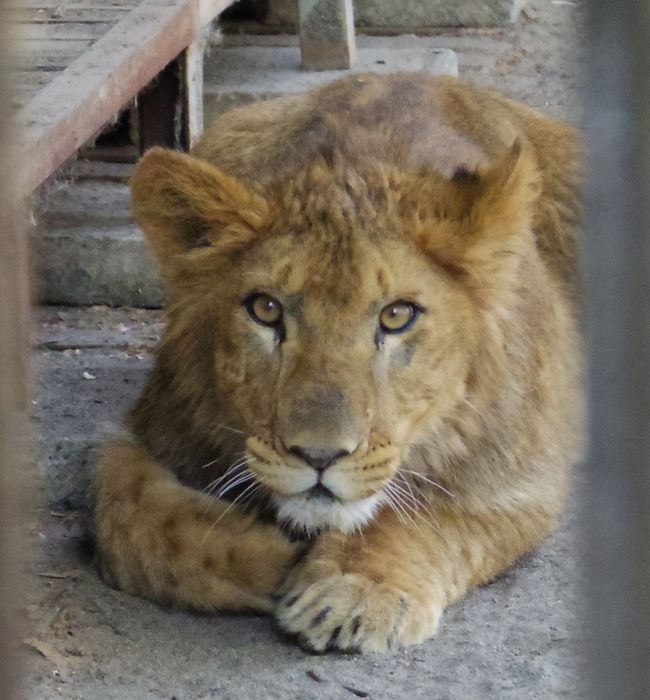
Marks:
<point>518,638</point>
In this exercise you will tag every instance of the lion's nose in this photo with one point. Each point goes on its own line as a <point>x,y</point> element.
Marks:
<point>317,458</point>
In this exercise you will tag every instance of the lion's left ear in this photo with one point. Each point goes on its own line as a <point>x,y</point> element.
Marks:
<point>182,203</point>
<point>501,195</point>
<point>484,219</point>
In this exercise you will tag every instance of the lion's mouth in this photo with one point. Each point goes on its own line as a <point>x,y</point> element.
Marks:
<point>320,491</point>
<point>319,509</point>
<point>350,497</point>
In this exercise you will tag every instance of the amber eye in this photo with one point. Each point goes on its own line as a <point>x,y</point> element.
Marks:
<point>264,309</point>
<point>398,316</point>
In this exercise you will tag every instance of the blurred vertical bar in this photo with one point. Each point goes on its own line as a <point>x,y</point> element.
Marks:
<point>14,356</point>
<point>618,271</point>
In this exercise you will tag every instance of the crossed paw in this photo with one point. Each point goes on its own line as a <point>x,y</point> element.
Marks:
<point>351,613</point>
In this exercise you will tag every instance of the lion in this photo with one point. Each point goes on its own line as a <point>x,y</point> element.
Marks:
<point>368,397</point>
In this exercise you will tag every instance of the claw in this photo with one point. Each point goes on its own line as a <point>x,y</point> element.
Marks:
<point>322,616</point>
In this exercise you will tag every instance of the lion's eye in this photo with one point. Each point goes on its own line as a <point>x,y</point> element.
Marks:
<point>264,309</point>
<point>398,316</point>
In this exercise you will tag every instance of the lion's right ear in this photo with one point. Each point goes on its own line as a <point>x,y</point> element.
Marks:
<point>183,203</point>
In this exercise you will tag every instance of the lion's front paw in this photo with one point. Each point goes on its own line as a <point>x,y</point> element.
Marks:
<point>350,612</point>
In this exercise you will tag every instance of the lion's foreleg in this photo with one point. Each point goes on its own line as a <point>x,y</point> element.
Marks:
<point>159,539</point>
<point>386,588</point>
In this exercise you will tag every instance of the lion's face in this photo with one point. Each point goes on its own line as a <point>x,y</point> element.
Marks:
<point>336,359</point>
<point>337,338</point>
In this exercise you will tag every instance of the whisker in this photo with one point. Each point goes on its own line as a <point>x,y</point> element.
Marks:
<point>236,481</point>
<point>234,474</point>
<point>408,486</point>
<point>420,492</point>
<point>399,501</point>
<point>407,494</point>
<point>249,498</point>
<point>429,481</point>
<point>429,522</point>
<point>227,427</point>
<point>239,498</point>
<point>237,464</point>
<point>358,528</point>
<point>209,464</point>
<point>393,504</point>
<point>240,453</point>
<point>233,467</point>
<point>409,506</point>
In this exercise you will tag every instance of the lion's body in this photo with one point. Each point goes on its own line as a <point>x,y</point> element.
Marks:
<point>337,203</point>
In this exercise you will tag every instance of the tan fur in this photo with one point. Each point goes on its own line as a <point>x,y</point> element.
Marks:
<point>456,437</point>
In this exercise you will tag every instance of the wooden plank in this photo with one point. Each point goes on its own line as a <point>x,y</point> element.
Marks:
<point>73,108</point>
<point>45,46</point>
<point>192,69</point>
<point>49,58</point>
<point>25,84</point>
<point>60,31</point>
<point>57,15</point>
<point>30,80</point>
<point>66,5</point>
<point>128,153</point>
<point>83,169</point>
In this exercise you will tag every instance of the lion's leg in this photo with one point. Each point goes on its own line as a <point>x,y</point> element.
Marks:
<point>387,587</point>
<point>159,539</point>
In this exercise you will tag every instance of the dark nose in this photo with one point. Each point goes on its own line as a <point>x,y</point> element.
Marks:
<point>318,459</point>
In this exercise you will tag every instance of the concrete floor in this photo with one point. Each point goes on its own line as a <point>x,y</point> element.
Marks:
<point>518,638</point>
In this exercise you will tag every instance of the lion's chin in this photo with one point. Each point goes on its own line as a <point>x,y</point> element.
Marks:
<point>311,515</point>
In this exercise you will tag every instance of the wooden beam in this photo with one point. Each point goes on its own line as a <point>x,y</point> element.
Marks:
<point>192,73</point>
<point>58,15</point>
<point>93,88</point>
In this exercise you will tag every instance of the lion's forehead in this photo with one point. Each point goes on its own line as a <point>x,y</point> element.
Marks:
<point>305,264</point>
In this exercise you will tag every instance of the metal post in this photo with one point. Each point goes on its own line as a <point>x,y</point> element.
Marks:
<point>14,363</point>
<point>618,270</point>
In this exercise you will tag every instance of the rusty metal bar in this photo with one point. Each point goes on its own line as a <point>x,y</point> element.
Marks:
<point>618,270</point>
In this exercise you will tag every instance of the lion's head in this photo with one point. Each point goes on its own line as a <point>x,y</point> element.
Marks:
<point>335,317</point>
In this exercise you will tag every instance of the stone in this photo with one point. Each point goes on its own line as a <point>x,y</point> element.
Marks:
<point>388,16</point>
<point>326,34</point>
<point>86,247</point>
<point>96,265</point>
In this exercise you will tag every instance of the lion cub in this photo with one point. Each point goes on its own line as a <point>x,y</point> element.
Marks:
<point>368,396</point>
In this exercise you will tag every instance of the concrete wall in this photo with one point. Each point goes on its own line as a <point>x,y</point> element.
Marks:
<point>395,16</point>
